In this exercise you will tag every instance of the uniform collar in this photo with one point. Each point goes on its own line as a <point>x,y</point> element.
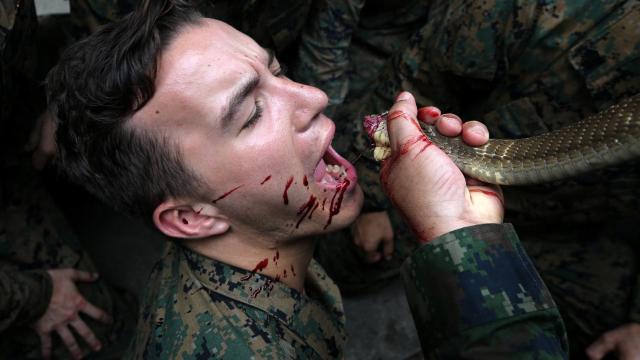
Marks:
<point>289,306</point>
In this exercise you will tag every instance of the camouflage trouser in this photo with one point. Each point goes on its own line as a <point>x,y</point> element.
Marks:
<point>36,236</point>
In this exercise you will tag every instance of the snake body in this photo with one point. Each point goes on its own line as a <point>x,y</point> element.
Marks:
<point>607,138</point>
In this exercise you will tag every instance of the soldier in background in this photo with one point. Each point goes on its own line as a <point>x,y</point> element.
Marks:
<point>522,68</point>
<point>52,302</point>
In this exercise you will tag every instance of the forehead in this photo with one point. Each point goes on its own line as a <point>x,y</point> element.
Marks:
<point>199,69</point>
<point>210,43</point>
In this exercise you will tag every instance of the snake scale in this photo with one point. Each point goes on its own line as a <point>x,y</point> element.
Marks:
<point>607,138</point>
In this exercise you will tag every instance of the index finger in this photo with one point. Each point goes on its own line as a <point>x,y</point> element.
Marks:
<point>95,312</point>
<point>401,121</point>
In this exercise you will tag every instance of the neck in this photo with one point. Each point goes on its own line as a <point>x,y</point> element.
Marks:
<point>286,262</point>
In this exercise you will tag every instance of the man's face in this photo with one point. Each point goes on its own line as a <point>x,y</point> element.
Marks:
<point>258,139</point>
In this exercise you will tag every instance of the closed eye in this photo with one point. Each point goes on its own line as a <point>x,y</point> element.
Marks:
<point>253,119</point>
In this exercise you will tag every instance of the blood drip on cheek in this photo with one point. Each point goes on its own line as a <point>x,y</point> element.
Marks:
<point>335,205</point>
<point>285,197</point>
<point>293,271</point>
<point>226,194</point>
<point>265,180</point>
<point>305,182</point>
<point>307,209</point>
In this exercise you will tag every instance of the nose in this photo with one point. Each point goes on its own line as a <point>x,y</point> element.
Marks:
<point>308,102</point>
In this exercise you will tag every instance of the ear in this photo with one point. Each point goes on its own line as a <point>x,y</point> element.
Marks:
<point>189,220</point>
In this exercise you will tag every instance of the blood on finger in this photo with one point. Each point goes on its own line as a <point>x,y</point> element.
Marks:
<point>429,112</point>
<point>399,114</point>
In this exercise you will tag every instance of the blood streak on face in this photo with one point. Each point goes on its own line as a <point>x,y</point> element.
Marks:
<point>265,180</point>
<point>314,209</point>
<point>226,194</point>
<point>185,221</point>
<point>293,271</point>
<point>334,207</point>
<point>306,209</point>
<point>285,197</point>
<point>305,182</point>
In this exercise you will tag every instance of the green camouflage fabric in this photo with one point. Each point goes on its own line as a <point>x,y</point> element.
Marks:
<point>24,295</point>
<point>592,272</point>
<point>523,68</point>
<point>199,308</point>
<point>475,294</point>
<point>272,24</point>
<point>34,237</point>
<point>472,292</point>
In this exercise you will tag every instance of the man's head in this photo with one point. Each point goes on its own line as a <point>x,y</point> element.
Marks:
<point>188,119</point>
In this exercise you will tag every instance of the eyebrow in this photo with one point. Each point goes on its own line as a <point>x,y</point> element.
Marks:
<point>241,92</point>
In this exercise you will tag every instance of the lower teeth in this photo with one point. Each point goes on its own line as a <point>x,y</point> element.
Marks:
<point>337,171</point>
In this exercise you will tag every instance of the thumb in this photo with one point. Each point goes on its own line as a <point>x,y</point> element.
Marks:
<point>401,121</point>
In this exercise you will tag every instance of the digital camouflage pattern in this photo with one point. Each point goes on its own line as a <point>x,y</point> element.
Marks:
<point>474,293</point>
<point>34,236</point>
<point>521,67</point>
<point>199,308</point>
<point>472,286</point>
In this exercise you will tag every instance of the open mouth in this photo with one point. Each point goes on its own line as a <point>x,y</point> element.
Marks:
<point>333,170</point>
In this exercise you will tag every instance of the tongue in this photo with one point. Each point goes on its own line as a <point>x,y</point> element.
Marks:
<point>321,171</point>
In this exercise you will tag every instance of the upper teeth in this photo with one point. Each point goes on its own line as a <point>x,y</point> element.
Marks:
<point>338,170</point>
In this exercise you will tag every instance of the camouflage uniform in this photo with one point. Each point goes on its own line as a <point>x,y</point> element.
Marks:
<point>33,234</point>
<point>473,292</point>
<point>34,237</point>
<point>196,307</point>
<point>523,68</point>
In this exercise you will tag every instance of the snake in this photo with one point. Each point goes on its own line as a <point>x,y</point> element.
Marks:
<point>607,138</point>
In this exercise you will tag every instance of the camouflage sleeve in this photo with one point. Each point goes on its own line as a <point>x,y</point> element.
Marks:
<point>323,54</point>
<point>24,295</point>
<point>475,292</point>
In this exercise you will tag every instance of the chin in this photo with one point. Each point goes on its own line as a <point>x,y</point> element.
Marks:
<point>349,212</point>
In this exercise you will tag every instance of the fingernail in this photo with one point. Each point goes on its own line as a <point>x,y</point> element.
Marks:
<point>403,96</point>
<point>429,111</point>
<point>477,130</point>
<point>452,116</point>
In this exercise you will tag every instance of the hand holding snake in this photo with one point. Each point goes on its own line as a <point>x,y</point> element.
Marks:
<point>425,184</point>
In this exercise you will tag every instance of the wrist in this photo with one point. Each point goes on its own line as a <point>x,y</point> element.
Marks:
<point>439,228</point>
